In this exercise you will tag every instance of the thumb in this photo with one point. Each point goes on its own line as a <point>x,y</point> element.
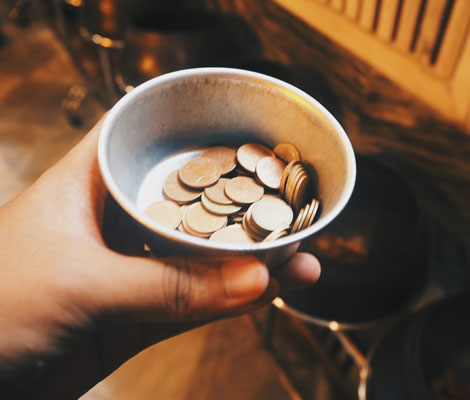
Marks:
<point>179,289</point>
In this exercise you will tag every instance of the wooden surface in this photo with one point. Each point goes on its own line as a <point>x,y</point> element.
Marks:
<point>224,360</point>
<point>427,66</point>
<point>35,75</point>
<point>381,119</point>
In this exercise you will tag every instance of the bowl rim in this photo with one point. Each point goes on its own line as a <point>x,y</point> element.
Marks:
<point>201,243</point>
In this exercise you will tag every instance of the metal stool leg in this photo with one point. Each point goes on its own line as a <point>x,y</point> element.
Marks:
<point>107,75</point>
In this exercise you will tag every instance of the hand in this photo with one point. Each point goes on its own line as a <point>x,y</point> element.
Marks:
<point>73,310</point>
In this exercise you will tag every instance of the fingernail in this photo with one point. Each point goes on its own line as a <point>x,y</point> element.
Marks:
<point>245,277</point>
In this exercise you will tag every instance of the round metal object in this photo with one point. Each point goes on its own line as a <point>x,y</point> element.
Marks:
<point>373,257</point>
<point>164,121</point>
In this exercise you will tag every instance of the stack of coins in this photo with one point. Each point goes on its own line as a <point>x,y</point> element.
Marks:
<point>243,195</point>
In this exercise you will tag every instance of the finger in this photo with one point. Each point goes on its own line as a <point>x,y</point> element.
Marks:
<point>177,289</point>
<point>301,271</point>
<point>268,296</point>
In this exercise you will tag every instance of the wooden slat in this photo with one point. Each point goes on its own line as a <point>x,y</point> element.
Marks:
<point>352,9</point>
<point>429,30</point>
<point>398,66</point>
<point>388,12</point>
<point>461,83</point>
<point>407,24</point>
<point>452,44</point>
<point>368,9</point>
<point>337,5</point>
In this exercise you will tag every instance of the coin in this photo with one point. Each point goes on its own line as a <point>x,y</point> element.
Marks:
<point>165,212</point>
<point>185,228</point>
<point>272,213</point>
<point>285,175</point>
<point>219,209</point>
<point>239,170</point>
<point>314,205</point>
<point>249,154</point>
<point>231,234</point>
<point>243,190</point>
<point>301,191</point>
<point>226,157</point>
<point>251,228</point>
<point>236,218</point>
<point>199,172</point>
<point>292,180</point>
<point>269,171</point>
<point>300,217</point>
<point>216,193</point>
<point>176,191</point>
<point>258,204</point>
<point>276,235</point>
<point>201,221</point>
<point>287,152</point>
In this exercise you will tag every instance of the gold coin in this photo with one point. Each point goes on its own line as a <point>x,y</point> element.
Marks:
<point>216,193</point>
<point>181,228</point>
<point>219,209</point>
<point>287,152</point>
<point>198,219</point>
<point>304,220</point>
<point>243,190</point>
<point>272,213</point>
<point>314,205</point>
<point>231,234</point>
<point>269,171</point>
<point>285,175</point>
<point>251,229</point>
<point>226,157</point>
<point>301,192</point>
<point>236,218</point>
<point>183,210</point>
<point>199,172</point>
<point>185,228</point>
<point>165,212</point>
<point>299,218</point>
<point>176,191</point>
<point>276,235</point>
<point>249,154</point>
<point>239,170</point>
<point>292,180</point>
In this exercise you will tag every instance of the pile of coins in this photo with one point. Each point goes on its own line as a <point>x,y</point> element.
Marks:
<point>243,195</point>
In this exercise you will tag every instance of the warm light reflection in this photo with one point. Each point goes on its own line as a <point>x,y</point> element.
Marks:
<point>96,38</point>
<point>107,7</point>
<point>301,100</point>
<point>147,64</point>
<point>361,391</point>
<point>75,3</point>
<point>105,42</point>
<point>278,302</point>
<point>333,325</point>
<point>363,373</point>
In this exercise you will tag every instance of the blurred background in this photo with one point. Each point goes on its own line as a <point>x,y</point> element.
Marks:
<point>389,317</point>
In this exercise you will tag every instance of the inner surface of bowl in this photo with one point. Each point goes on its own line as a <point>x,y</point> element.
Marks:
<point>205,107</point>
